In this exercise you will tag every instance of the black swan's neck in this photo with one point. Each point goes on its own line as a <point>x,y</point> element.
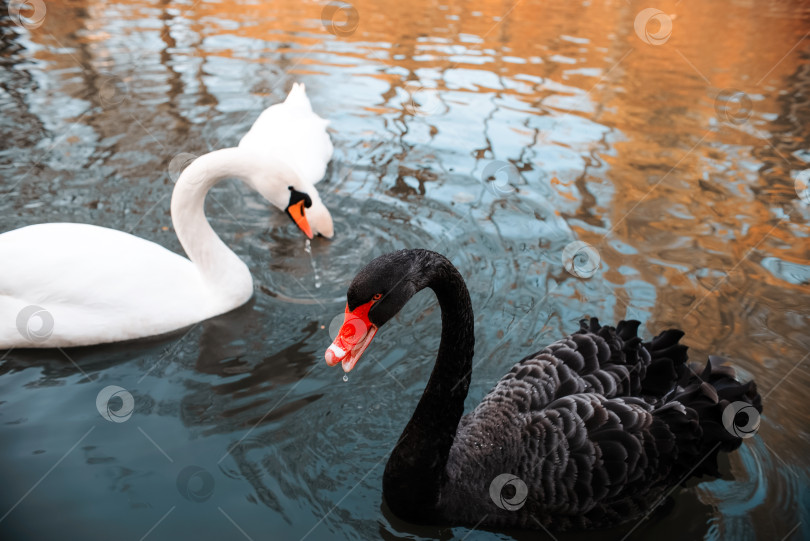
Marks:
<point>415,472</point>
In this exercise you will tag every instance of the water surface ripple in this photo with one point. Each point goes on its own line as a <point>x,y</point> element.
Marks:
<point>677,162</point>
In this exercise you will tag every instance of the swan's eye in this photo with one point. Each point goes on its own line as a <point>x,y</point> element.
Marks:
<point>377,297</point>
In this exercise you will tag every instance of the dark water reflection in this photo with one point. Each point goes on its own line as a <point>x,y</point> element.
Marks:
<point>689,200</point>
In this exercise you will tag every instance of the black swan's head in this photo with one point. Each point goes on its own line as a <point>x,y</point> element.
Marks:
<point>376,294</point>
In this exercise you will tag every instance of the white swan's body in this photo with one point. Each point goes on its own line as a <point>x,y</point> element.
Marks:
<point>99,285</point>
<point>304,143</point>
<point>140,289</point>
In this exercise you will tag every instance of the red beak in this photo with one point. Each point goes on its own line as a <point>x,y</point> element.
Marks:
<point>354,337</point>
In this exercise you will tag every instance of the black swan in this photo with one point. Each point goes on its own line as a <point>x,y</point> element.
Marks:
<point>590,432</point>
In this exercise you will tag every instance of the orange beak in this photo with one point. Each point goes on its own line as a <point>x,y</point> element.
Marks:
<point>296,212</point>
<point>354,337</point>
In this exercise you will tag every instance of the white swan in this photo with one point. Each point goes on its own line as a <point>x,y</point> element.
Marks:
<point>65,284</point>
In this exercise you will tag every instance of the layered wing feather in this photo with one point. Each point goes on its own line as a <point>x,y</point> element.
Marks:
<point>598,426</point>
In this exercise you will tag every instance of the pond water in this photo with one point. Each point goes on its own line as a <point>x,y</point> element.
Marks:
<point>673,142</point>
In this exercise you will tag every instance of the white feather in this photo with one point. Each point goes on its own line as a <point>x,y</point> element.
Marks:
<point>292,131</point>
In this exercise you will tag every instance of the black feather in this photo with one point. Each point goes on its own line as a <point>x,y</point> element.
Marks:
<point>597,427</point>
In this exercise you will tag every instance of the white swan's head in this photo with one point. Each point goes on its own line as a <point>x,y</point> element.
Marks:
<point>320,220</point>
<point>270,175</point>
<point>300,201</point>
<point>306,209</point>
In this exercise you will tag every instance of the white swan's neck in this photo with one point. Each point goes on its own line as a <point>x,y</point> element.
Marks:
<point>225,276</point>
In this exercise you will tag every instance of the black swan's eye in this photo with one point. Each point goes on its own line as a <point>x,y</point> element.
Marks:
<point>377,297</point>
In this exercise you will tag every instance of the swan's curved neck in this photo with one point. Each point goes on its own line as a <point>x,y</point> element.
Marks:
<point>415,472</point>
<point>226,276</point>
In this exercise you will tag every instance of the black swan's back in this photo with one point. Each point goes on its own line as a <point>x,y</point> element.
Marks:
<point>598,427</point>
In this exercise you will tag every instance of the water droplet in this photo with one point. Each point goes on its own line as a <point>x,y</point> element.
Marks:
<point>308,250</point>
<point>345,377</point>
